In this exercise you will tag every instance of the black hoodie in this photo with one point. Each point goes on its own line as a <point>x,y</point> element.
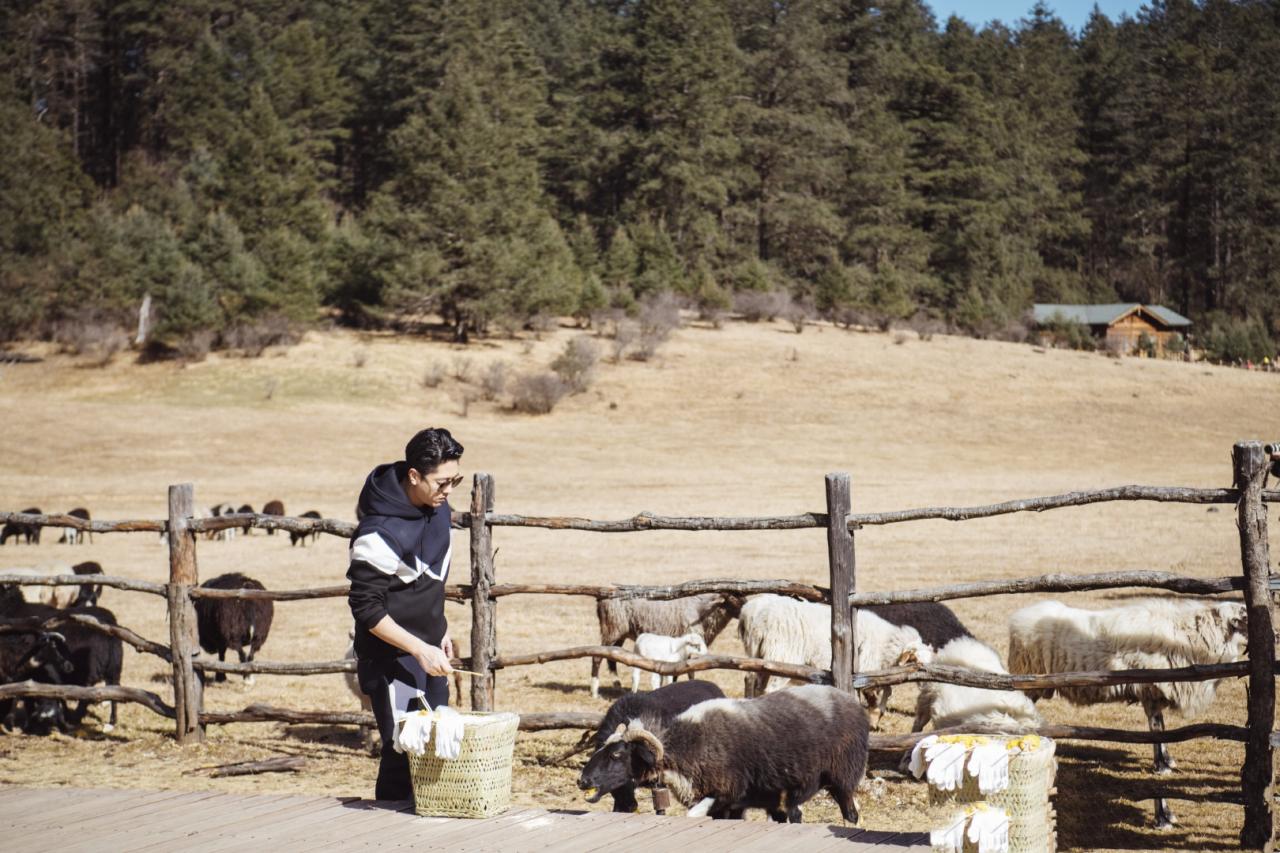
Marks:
<point>399,562</point>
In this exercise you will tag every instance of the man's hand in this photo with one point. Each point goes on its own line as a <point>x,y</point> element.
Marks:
<point>446,646</point>
<point>432,659</point>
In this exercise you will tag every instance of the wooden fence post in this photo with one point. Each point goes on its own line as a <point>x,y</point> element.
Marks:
<point>840,559</point>
<point>183,643</point>
<point>1257,777</point>
<point>484,628</point>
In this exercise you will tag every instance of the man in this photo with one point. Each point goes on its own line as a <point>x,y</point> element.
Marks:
<point>399,562</point>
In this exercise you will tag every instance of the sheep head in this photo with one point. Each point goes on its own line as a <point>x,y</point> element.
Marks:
<point>632,754</point>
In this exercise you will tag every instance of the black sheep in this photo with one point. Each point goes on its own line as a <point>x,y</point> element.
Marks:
<point>14,529</point>
<point>666,703</point>
<point>274,507</point>
<point>233,623</point>
<point>936,623</point>
<point>246,509</point>
<point>295,538</point>
<point>727,755</point>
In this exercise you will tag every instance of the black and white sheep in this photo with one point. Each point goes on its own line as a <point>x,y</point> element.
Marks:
<point>623,619</point>
<point>72,536</point>
<point>233,623</point>
<point>295,538</point>
<point>96,658</point>
<point>217,511</point>
<point>14,529</point>
<point>87,594</point>
<point>665,703</point>
<point>947,705</point>
<point>1157,633</point>
<point>724,756</point>
<point>785,630</point>
<point>936,623</point>
<point>39,656</point>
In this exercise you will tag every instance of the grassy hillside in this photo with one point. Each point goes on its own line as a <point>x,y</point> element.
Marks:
<point>739,421</point>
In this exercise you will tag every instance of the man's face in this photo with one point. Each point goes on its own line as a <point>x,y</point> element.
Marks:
<point>434,487</point>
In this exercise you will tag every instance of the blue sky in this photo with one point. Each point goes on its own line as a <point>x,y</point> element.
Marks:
<point>1073,12</point>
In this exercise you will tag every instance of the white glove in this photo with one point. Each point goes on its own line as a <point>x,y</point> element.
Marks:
<point>989,764</point>
<point>950,838</point>
<point>414,733</point>
<point>449,732</point>
<point>917,755</point>
<point>989,830</point>
<point>946,765</point>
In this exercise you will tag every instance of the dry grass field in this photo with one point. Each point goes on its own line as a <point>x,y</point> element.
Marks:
<point>739,421</point>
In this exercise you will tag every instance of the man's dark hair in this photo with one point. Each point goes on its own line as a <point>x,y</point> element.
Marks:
<point>430,447</point>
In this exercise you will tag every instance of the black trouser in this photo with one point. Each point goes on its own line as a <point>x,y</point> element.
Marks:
<point>375,676</point>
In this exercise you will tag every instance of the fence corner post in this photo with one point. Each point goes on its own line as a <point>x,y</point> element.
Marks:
<point>484,629</point>
<point>1257,776</point>
<point>183,644</point>
<point>841,563</point>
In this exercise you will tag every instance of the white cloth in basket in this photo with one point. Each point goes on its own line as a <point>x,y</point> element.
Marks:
<point>987,828</point>
<point>449,732</point>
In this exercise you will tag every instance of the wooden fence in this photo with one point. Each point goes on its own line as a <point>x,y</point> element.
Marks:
<point>1251,463</point>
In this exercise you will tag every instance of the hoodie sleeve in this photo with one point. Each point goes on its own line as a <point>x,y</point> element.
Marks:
<point>371,572</point>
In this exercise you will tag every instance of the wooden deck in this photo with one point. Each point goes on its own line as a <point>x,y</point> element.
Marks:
<point>77,819</point>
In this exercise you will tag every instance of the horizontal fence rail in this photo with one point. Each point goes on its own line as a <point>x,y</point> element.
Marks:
<point>53,623</point>
<point>110,693</point>
<point>9,576</point>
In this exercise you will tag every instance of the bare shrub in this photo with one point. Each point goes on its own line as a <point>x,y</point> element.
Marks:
<point>433,375</point>
<point>658,318</point>
<point>925,326</point>
<point>625,334</point>
<point>360,358</point>
<point>494,380</point>
<point>541,324</point>
<point>756,305</point>
<point>462,368</point>
<point>900,338</point>
<point>537,393</point>
<point>273,385</point>
<point>100,341</point>
<point>252,338</point>
<point>195,346</point>
<point>576,365</point>
<point>797,314</point>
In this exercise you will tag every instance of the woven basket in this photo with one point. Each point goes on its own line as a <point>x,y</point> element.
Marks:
<point>475,784</point>
<point>1027,800</point>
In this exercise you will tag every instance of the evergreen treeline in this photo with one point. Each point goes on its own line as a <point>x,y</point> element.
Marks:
<point>252,163</point>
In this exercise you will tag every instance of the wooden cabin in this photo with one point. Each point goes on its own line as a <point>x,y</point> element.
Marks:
<point>1120,327</point>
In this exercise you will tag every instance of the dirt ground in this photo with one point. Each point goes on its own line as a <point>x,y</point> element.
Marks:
<point>744,420</point>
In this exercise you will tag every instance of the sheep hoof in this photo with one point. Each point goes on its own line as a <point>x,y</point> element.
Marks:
<point>108,727</point>
<point>1164,770</point>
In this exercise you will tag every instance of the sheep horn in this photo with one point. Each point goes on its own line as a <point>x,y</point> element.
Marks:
<point>636,731</point>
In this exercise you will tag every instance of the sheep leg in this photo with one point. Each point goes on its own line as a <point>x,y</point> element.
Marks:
<point>222,657</point>
<point>635,680</point>
<point>655,681</point>
<point>595,678</point>
<point>1164,763</point>
<point>248,677</point>
<point>844,799</point>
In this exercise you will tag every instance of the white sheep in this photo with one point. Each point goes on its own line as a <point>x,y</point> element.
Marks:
<point>947,705</point>
<point>1156,633</point>
<point>61,597</point>
<point>781,629</point>
<point>663,648</point>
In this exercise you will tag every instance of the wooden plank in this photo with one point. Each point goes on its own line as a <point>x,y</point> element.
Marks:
<point>841,565</point>
<point>284,822</point>
<point>211,815</point>
<point>465,834</point>
<point>370,814</point>
<point>69,813</point>
<point>649,830</point>
<point>128,813</point>
<point>371,830</point>
<point>319,825</point>
<point>236,832</point>
<point>576,829</point>
<point>484,629</point>
<point>15,800</point>
<point>1257,776</point>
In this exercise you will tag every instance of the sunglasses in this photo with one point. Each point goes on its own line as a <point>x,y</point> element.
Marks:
<point>442,484</point>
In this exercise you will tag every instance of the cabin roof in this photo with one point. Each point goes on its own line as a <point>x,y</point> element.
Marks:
<point>1105,315</point>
